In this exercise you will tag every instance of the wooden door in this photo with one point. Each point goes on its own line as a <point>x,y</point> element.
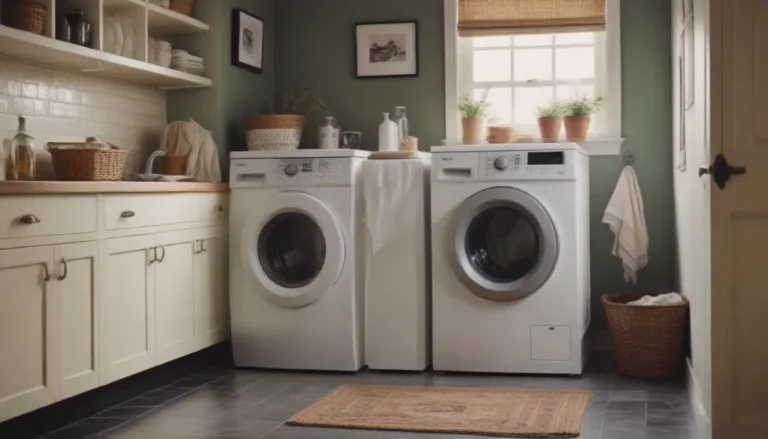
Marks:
<point>174,296</point>
<point>127,340</point>
<point>739,82</point>
<point>29,331</point>
<point>211,288</point>
<point>77,279</point>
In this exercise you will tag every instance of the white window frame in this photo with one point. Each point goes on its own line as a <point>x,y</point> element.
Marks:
<point>606,144</point>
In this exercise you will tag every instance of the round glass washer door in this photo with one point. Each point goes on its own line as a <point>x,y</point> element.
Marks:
<point>295,251</point>
<point>505,244</point>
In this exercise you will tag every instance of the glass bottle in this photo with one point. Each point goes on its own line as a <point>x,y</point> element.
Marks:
<point>401,119</point>
<point>23,154</point>
<point>328,134</point>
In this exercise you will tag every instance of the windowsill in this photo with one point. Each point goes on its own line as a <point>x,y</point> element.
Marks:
<point>603,145</point>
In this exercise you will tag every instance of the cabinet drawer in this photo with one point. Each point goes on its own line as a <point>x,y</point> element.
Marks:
<point>131,211</point>
<point>29,216</point>
<point>214,208</point>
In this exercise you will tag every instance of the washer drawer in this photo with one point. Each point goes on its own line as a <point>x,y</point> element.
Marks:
<point>42,215</point>
<point>132,211</point>
<point>551,343</point>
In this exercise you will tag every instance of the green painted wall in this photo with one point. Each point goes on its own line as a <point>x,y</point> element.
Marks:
<point>236,92</point>
<point>314,43</point>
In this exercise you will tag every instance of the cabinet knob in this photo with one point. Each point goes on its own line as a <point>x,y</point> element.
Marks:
<point>28,219</point>
<point>128,214</point>
<point>220,208</point>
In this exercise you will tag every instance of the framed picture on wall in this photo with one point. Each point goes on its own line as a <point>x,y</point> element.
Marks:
<point>387,50</point>
<point>247,40</point>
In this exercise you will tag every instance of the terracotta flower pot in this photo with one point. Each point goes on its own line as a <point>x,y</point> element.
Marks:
<point>550,128</point>
<point>576,128</point>
<point>174,165</point>
<point>472,129</point>
<point>501,134</point>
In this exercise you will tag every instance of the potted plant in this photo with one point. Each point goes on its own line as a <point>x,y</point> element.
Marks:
<point>473,113</point>
<point>282,131</point>
<point>578,114</point>
<point>551,121</point>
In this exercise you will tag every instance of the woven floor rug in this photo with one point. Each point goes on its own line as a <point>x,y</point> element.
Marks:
<point>489,412</point>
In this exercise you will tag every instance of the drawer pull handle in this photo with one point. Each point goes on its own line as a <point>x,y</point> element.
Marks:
<point>128,214</point>
<point>202,246</point>
<point>153,252</point>
<point>194,246</point>
<point>48,276</point>
<point>63,263</point>
<point>29,219</point>
<point>162,258</point>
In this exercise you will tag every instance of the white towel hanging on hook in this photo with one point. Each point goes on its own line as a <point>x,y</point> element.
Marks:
<point>625,216</point>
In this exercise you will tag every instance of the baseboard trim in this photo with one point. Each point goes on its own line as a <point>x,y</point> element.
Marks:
<point>695,399</point>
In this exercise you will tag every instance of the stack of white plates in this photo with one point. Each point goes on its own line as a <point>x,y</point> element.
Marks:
<point>185,62</point>
<point>160,52</point>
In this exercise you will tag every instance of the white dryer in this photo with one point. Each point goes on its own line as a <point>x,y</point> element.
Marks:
<point>296,283</point>
<point>510,258</point>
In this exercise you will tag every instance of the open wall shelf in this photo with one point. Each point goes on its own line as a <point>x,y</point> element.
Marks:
<point>148,20</point>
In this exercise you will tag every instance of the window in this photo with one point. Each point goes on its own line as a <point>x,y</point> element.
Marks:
<point>523,72</point>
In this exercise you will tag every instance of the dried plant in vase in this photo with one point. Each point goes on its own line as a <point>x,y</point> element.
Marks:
<point>578,115</point>
<point>473,113</point>
<point>283,130</point>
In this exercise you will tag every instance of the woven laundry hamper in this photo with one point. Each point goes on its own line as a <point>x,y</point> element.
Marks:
<point>647,340</point>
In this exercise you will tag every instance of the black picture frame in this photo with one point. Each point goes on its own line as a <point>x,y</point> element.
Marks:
<point>356,36</point>
<point>237,16</point>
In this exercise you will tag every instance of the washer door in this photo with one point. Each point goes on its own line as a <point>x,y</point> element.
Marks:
<point>505,244</point>
<point>294,251</point>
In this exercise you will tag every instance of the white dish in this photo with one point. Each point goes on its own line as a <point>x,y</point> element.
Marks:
<point>129,38</point>
<point>109,35</point>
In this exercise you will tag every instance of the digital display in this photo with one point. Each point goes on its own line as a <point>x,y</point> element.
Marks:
<point>546,158</point>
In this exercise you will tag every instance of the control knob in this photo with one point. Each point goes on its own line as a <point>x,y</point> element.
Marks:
<point>291,170</point>
<point>501,163</point>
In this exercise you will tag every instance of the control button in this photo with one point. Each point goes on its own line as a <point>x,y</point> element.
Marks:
<point>291,170</point>
<point>517,159</point>
<point>501,163</point>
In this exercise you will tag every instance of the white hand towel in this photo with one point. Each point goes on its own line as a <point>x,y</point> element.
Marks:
<point>625,216</point>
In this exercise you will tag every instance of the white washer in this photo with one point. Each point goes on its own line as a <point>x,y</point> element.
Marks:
<point>510,258</point>
<point>296,283</point>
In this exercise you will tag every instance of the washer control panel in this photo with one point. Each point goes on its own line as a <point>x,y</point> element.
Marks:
<point>310,171</point>
<point>293,172</point>
<point>514,165</point>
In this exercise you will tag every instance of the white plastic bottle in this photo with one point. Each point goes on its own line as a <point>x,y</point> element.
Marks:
<point>388,135</point>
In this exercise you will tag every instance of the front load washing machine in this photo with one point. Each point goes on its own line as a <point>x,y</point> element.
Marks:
<point>296,285</point>
<point>510,258</point>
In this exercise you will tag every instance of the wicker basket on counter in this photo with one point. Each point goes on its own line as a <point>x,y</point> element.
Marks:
<point>88,164</point>
<point>27,15</point>
<point>647,341</point>
<point>185,7</point>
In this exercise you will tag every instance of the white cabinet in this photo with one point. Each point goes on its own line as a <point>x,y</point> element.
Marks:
<point>75,315</point>
<point>128,307</point>
<point>29,331</point>
<point>211,288</point>
<point>76,281</point>
<point>174,296</point>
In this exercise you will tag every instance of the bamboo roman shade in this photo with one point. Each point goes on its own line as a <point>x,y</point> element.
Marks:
<point>505,17</point>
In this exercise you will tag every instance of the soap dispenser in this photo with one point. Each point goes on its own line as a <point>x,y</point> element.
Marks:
<point>22,154</point>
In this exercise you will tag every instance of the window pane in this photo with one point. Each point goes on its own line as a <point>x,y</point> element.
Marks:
<point>533,40</point>
<point>492,65</point>
<point>573,91</point>
<point>528,99</point>
<point>531,64</point>
<point>575,63</point>
<point>574,38</point>
<point>500,99</point>
<point>492,41</point>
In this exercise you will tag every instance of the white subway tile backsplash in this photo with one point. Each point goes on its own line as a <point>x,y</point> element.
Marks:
<point>65,106</point>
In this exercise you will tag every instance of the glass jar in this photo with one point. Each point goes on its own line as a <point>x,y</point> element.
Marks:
<point>328,134</point>
<point>22,154</point>
<point>401,119</point>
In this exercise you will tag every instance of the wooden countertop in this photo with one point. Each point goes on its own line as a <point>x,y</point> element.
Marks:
<point>104,187</point>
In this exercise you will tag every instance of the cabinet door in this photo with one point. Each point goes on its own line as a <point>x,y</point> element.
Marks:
<point>127,341</point>
<point>174,296</point>
<point>76,274</point>
<point>29,331</point>
<point>211,288</point>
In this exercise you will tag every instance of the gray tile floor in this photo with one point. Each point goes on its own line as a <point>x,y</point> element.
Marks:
<point>228,403</point>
